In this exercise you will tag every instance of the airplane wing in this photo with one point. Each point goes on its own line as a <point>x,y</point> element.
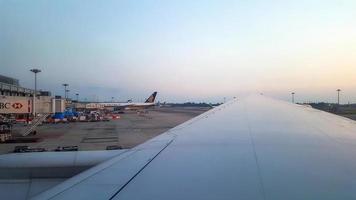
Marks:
<point>253,148</point>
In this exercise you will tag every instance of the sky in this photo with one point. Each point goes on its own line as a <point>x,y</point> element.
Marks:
<point>186,50</point>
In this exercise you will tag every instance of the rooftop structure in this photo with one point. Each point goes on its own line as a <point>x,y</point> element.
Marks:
<point>9,80</point>
<point>11,87</point>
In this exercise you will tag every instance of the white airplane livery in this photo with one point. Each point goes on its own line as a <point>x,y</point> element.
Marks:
<point>150,102</point>
<point>251,148</point>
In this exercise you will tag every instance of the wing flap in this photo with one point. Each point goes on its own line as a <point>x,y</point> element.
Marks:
<point>104,180</point>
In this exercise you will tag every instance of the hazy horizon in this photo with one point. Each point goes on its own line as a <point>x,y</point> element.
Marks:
<point>187,51</point>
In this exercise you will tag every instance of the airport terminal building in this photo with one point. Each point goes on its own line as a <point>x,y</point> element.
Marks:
<point>15,99</point>
<point>11,87</point>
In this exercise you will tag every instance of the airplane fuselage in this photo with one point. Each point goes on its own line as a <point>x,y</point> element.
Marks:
<point>127,105</point>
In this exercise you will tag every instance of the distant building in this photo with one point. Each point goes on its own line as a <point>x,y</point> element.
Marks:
<point>11,87</point>
<point>11,93</point>
<point>45,93</point>
<point>9,80</point>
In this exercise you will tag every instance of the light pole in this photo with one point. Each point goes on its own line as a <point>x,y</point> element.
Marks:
<point>35,71</point>
<point>112,99</point>
<point>65,90</point>
<point>293,97</point>
<point>338,96</point>
<point>77,97</point>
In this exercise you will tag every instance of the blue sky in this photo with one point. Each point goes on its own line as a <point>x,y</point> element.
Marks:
<point>186,50</point>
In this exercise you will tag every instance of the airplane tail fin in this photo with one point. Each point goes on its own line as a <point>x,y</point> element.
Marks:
<point>152,98</point>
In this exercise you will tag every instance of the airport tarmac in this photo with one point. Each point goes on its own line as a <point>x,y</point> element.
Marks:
<point>128,131</point>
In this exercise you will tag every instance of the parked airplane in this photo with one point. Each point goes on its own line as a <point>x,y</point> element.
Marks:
<point>253,148</point>
<point>129,105</point>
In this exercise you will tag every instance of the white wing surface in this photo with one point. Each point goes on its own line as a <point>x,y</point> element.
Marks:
<point>253,148</point>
